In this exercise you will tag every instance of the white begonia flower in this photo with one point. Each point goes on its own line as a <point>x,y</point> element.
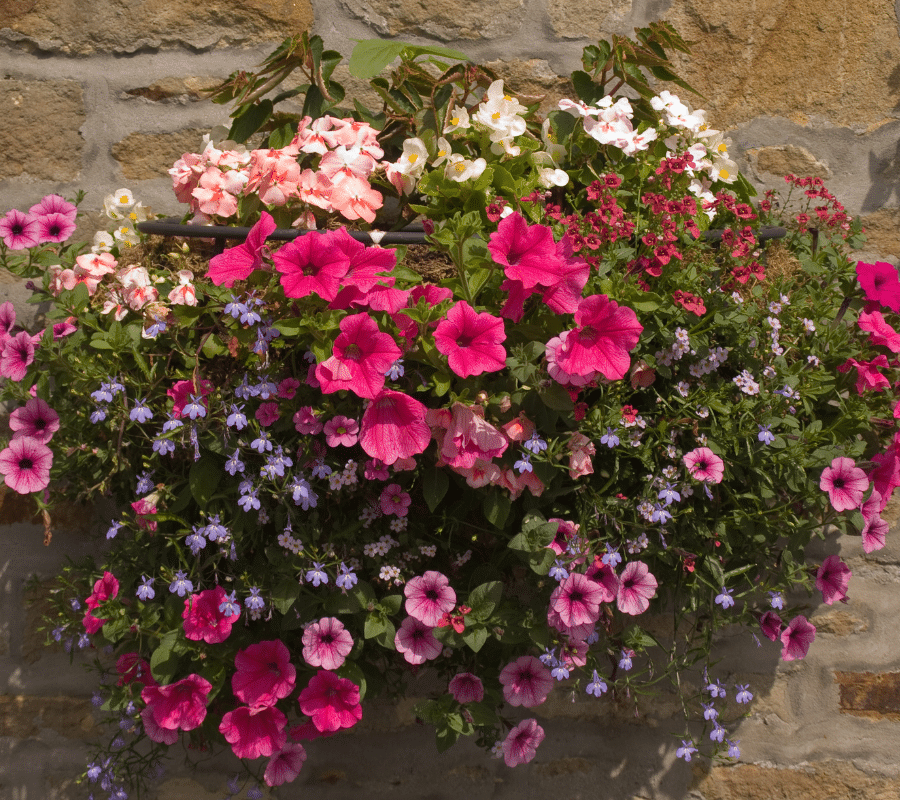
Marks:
<point>462,169</point>
<point>126,234</point>
<point>507,210</point>
<point>499,115</point>
<point>444,152</point>
<point>139,212</point>
<point>723,169</point>
<point>554,149</point>
<point>117,204</point>
<point>579,108</point>
<point>103,242</point>
<point>548,173</point>
<point>409,167</point>
<point>700,189</point>
<point>639,141</point>
<point>459,120</point>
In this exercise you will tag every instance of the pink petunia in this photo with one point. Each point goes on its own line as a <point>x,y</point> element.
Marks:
<point>133,668</point>
<point>428,597</point>
<point>394,500</point>
<point>868,378</point>
<point>880,332</point>
<point>202,618</point>
<point>415,640</point>
<point>875,529</point>
<point>526,682</point>
<point>341,430</point>
<point>154,731</point>
<point>326,643</point>
<point>880,283</point>
<point>704,465</point>
<point>264,673</point>
<point>19,231</point>
<point>54,227</point>
<point>238,263</point>
<point>524,251</point>
<point>636,588</point>
<point>466,688</point>
<point>832,579</point>
<point>306,422</point>
<point>16,356</point>
<point>471,341</point>
<point>771,625</point>
<point>393,427</point>
<point>332,702</point>
<point>285,765</point>
<point>845,483</point>
<point>25,465</point>
<point>254,732</point>
<point>577,600</point>
<point>362,355</point>
<point>181,392</point>
<point>180,705</point>
<point>797,638</point>
<point>54,204</point>
<point>312,264</point>
<point>470,437</point>
<point>521,743</point>
<point>36,420</point>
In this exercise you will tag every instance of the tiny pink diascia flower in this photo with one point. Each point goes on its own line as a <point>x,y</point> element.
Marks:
<point>832,579</point>
<point>25,465</point>
<point>797,638</point>
<point>332,702</point>
<point>264,673</point>
<point>202,618</point>
<point>36,420</point>
<point>526,682</point>
<point>845,483</point>
<point>415,640</point>
<point>521,743</point>
<point>636,587</point>
<point>577,600</point>
<point>704,465</point>
<point>471,341</point>
<point>466,688</point>
<point>267,414</point>
<point>341,430</point>
<point>394,500</point>
<point>254,732</point>
<point>429,597</point>
<point>180,705</point>
<point>285,765</point>
<point>326,643</point>
<point>362,356</point>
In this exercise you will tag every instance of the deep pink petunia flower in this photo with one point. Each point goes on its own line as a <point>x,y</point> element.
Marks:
<point>54,204</point>
<point>285,765</point>
<point>133,668</point>
<point>880,332</point>
<point>577,600</point>
<point>202,618</point>
<point>875,529</point>
<point>636,588</point>
<point>264,673</point>
<point>880,283</point>
<point>832,579</point>
<point>19,231</point>
<point>466,688</point>
<point>471,341</point>
<point>428,597</point>
<point>154,731</point>
<point>25,465</point>
<point>365,262</point>
<point>521,743</point>
<point>797,638</point>
<point>180,705</point>
<point>35,419</point>
<point>254,732</point>
<point>181,392</point>
<point>393,427</point>
<point>312,264</point>
<point>16,356</point>
<point>885,476</point>
<point>362,355</point>
<point>238,263</point>
<point>331,702</point>
<point>326,643</point>
<point>524,251</point>
<point>54,227</point>
<point>415,640</point>
<point>526,682</point>
<point>845,483</point>
<point>704,465</point>
<point>771,625</point>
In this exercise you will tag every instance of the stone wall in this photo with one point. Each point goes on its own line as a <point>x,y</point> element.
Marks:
<point>108,93</point>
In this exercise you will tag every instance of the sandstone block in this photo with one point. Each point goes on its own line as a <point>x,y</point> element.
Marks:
<point>591,19</point>
<point>447,21</point>
<point>25,716</point>
<point>144,156</point>
<point>40,125</point>
<point>174,89</point>
<point>883,232</point>
<point>870,694</point>
<point>77,28</point>
<point>788,159</point>
<point>839,623</point>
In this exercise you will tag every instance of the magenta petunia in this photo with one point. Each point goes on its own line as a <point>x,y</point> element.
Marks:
<point>202,618</point>
<point>415,640</point>
<point>879,330</point>
<point>54,227</point>
<point>16,356</point>
<point>365,262</point>
<point>577,600</point>
<point>521,743</point>
<point>471,341</point>
<point>54,204</point>
<point>19,231</point>
<point>845,483</point>
<point>362,354</point>
<point>466,688</point>
<point>36,420</point>
<point>704,465</point>
<point>524,251</point>
<point>238,263</point>
<point>254,732</point>
<point>326,643</point>
<point>832,579</point>
<point>264,673</point>
<point>25,465</point>
<point>285,765</point>
<point>393,427</point>
<point>797,638</point>
<point>180,705</point>
<point>428,597</point>
<point>312,264</point>
<point>332,702</point>
<point>880,283</point>
<point>636,588</point>
<point>154,731</point>
<point>771,625</point>
<point>526,682</point>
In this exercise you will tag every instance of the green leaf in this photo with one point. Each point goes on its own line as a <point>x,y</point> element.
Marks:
<point>371,56</point>
<point>434,486</point>
<point>374,626</point>
<point>250,121</point>
<point>284,594</point>
<point>496,508</point>
<point>204,479</point>
<point>484,599</point>
<point>164,661</point>
<point>391,604</point>
<point>446,738</point>
<point>475,637</point>
<point>557,398</point>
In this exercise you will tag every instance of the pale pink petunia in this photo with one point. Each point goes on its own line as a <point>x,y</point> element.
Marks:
<point>341,430</point>
<point>285,765</point>
<point>331,701</point>
<point>25,465</point>
<point>326,643</point>
<point>362,354</point>
<point>393,427</point>
<point>577,600</point>
<point>415,640</point>
<point>797,638</point>
<point>16,356</point>
<point>845,483</point>
<point>180,705</point>
<point>636,588</point>
<point>238,263</point>
<point>874,533</point>
<point>704,465</point>
<point>54,204</point>
<point>471,341</point>
<point>264,673</point>
<point>466,688</point>
<point>254,732</point>
<point>470,437</point>
<point>526,682</point>
<point>428,597</point>
<point>202,618</point>
<point>521,743</point>
<point>832,579</point>
<point>771,625</point>
<point>35,419</point>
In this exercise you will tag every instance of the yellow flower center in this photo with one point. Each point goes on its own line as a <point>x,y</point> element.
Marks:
<point>123,198</point>
<point>724,174</point>
<point>722,148</point>
<point>495,115</point>
<point>413,157</point>
<point>460,167</point>
<point>454,121</point>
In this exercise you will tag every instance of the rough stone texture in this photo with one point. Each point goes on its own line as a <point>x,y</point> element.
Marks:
<point>788,159</point>
<point>811,61</point>
<point>871,695</point>
<point>830,780</point>
<point>150,155</point>
<point>590,19</point>
<point>28,716</point>
<point>531,80</point>
<point>175,90</point>
<point>77,28</point>
<point>839,623</point>
<point>883,232</point>
<point>454,19</point>
<point>47,116</point>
